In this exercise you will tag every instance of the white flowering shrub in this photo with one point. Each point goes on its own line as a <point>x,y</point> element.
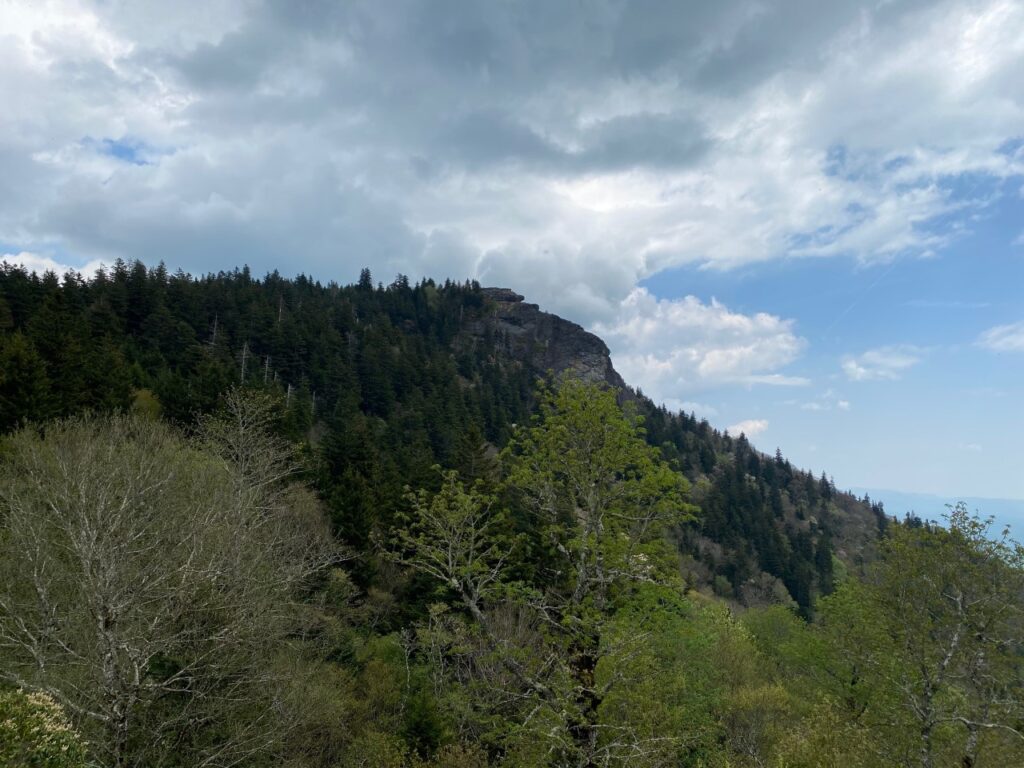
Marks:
<point>35,733</point>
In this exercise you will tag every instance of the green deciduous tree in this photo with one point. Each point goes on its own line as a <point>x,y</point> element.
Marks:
<point>599,495</point>
<point>935,637</point>
<point>599,500</point>
<point>454,535</point>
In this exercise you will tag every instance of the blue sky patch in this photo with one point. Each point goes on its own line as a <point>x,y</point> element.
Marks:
<point>127,150</point>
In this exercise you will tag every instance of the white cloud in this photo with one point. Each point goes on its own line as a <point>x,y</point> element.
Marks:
<point>570,157</point>
<point>674,347</point>
<point>889,362</point>
<point>34,262</point>
<point>1003,338</point>
<point>701,410</point>
<point>749,427</point>
<point>826,401</point>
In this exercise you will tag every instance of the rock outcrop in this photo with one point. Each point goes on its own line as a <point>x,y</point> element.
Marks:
<point>544,341</point>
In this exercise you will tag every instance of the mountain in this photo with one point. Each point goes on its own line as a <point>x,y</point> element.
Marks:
<point>263,566</point>
<point>544,341</point>
<point>382,383</point>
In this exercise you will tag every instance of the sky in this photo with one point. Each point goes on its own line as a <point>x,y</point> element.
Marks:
<point>801,220</point>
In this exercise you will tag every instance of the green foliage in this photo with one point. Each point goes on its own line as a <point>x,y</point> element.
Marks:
<point>599,498</point>
<point>599,501</point>
<point>453,536</point>
<point>936,634</point>
<point>35,733</point>
<point>919,664</point>
<point>541,597</point>
<point>24,386</point>
<point>381,384</point>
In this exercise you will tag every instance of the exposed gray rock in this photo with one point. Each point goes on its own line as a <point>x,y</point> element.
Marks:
<point>501,294</point>
<point>545,341</point>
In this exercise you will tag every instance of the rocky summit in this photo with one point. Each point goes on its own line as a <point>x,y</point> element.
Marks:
<point>544,341</point>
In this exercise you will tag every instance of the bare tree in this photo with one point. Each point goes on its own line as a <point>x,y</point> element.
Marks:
<point>149,584</point>
<point>242,435</point>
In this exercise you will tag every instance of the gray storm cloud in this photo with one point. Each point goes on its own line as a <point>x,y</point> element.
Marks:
<point>569,153</point>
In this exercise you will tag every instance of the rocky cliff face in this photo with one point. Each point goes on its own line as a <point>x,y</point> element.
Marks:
<point>545,341</point>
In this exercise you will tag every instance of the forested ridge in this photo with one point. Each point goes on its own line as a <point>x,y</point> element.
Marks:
<point>386,383</point>
<point>395,540</point>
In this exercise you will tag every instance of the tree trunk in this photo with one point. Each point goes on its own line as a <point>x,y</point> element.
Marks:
<point>926,746</point>
<point>971,747</point>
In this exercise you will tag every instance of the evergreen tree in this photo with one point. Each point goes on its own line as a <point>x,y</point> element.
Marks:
<point>24,386</point>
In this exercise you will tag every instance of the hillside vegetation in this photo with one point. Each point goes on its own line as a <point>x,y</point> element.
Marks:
<point>380,384</point>
<point>272,522</point>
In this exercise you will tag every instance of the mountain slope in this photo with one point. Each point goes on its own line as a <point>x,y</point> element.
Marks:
<point>382,383</point>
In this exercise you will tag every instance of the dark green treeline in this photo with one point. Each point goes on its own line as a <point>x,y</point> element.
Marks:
<point>380,384</point>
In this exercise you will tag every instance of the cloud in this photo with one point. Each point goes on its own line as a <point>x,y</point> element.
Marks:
<point>1003,338</point>
<point>494,140</point>
<point>702,410</point>
<point>826,401</point>
<point>749,427</point>
<point>680,346</point>
<point>645,140</point>
<point>34,262</point>
<point>570,156</point>
<point>883,363</point>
